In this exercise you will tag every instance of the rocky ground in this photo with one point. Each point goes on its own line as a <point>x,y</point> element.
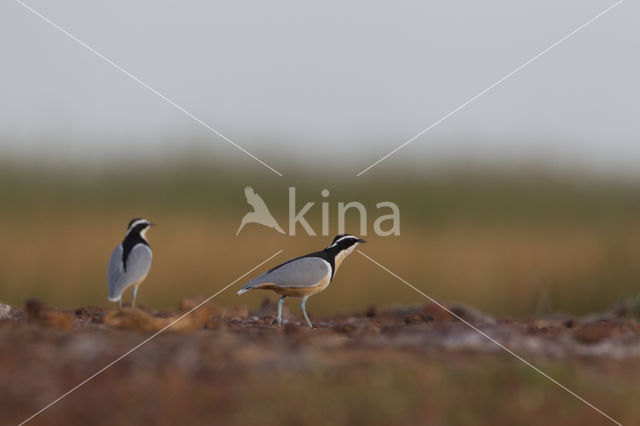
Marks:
<point>384,366</point>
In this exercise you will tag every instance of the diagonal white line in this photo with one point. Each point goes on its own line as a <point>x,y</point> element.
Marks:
<point>476,329</point>
<point>148,339</point>
<point>473,99</point>
<point>151,89</point>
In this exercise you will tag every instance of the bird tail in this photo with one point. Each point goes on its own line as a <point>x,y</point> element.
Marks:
<point>114,294</point>
<point>254,283</point>
<point>248,286</point>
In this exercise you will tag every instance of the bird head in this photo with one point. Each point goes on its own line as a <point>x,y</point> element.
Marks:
<point>345,243</point>
<point>139,226</point>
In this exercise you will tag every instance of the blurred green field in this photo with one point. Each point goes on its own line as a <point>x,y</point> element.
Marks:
<point>509,243</point>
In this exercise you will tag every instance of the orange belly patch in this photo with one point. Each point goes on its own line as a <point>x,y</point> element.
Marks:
<point>296,291</point>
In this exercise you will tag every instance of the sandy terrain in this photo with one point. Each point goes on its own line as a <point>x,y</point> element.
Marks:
<point>384,366</point>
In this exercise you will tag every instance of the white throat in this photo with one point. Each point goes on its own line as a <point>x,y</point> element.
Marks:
<point>344,253</point>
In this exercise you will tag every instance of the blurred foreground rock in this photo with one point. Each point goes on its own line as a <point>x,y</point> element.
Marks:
<point>426,325</point>
<point>137,319</point>
<point>239,312</point>
<point>40,313</point>
<point>7,312</point>
<point>598,331</point>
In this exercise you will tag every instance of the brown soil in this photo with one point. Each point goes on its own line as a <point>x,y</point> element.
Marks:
<point>387,366</point>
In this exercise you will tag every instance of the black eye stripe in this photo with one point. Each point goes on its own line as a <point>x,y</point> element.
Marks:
<point>134,220</point>
<point>139,227</point>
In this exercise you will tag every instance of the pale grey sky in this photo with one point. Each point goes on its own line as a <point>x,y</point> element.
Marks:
<point>333,81</point>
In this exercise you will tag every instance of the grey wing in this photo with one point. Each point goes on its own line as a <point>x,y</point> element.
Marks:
<point>114,271</point>
<point>303,272</point>
<point>138,266</point>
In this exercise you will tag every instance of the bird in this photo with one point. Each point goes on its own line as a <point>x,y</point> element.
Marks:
<point>306,275</point>
<point>130,261</point>
<point>260,213</point>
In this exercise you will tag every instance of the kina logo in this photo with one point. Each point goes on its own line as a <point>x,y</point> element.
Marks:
<point>384,225</point>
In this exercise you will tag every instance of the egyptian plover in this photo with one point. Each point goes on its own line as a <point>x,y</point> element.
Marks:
<point>307,275</point>
<point>130,261</point>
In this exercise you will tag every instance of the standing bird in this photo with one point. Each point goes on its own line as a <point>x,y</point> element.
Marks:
<point>306,275</point>
<point>260,213</point>
<point>130,261</point>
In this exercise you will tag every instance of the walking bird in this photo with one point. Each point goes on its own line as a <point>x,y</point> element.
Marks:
<point>307,275</point>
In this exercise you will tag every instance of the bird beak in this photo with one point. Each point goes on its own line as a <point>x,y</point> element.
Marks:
<point>152,224</point>
<point>360,240</point>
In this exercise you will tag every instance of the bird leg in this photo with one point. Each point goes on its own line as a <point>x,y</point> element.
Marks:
<point>135,293</point>
<point>304,310</point>
<point>280,309</point>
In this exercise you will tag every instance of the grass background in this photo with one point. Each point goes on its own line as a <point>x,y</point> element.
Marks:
<point>514,243</point>
<point>517,243</point>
